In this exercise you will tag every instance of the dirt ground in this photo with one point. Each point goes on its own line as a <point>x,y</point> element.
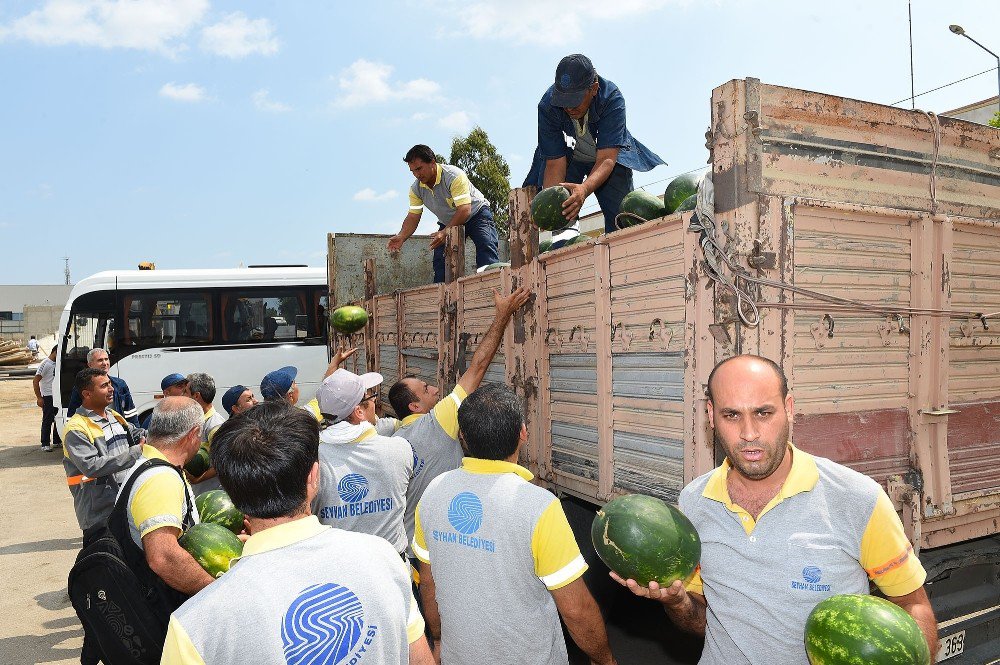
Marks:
<point>39,539</point>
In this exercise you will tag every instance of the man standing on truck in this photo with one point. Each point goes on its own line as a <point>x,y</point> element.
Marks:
<point>430,423</point>
<point>446,191</point>
<point>583,143</point>
<point>487,517</point>
<point>781,530</point>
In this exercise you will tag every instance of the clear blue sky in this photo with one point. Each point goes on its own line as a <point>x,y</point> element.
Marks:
<point>198,133</point>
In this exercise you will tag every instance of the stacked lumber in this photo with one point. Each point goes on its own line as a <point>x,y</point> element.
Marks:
<point>12,353</point>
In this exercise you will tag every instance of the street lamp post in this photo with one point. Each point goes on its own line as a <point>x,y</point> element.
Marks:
<point>959,30</point>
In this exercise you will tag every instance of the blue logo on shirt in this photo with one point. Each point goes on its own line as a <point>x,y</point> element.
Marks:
<point>466,513</point>
<point>352,488</point>
<point>811,574</point>
<point>323,625</point>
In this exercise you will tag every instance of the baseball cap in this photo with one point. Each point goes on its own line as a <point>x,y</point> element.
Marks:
<point>574,74</point>
<point>343,390</point>
<point>172,380</point>
<point>277,383</point>
<point>231,397</point>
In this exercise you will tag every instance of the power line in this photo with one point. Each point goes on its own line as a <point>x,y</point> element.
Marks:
<point>941,87</point>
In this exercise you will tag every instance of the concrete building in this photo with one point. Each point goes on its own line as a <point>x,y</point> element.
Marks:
<point>981,112</point>
<point>31,309</point>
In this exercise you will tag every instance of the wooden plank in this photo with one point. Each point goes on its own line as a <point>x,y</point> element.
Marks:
<point>605,410</point>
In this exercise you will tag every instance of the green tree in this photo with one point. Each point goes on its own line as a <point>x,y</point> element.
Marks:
<point>487,169</point>
<point>995,121</point>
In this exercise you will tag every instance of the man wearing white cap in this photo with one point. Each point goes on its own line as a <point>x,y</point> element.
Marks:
<point>363,474</point>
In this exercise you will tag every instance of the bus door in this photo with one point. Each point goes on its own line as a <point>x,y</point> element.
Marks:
<point>90,326</point>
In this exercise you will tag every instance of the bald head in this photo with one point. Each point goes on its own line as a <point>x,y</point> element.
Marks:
<point>745,368</point>
<point>173,418</point>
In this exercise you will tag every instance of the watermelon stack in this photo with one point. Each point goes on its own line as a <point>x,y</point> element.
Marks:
<point>641,204</point>
<point>643,538</point>
<point>687,204</point>
<point>546,209</point>
<point>857,628</point>
<point>215,507</point>
<point>348,319</point>
<point>680,188</point>
<point>212,546</point>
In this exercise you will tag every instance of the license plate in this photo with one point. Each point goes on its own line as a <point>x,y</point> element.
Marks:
<point>951,645</point>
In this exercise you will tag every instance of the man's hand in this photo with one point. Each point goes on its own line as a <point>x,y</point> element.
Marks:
<point>395,244</point>
<point>40,402</point>
<point>438,238</point>
<point>507,305</point>
<point>577,195</point>
<point>673,595</point>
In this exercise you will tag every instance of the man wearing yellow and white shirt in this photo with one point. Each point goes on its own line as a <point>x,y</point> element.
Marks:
<point>430,423</point>
<point>160,499</point>
<point>301,592</point>
<point>202,387</point>
<point>487,522</point>
<point>446,191</point>
<point>781,530</point>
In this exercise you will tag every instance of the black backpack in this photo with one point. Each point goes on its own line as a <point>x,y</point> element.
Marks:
<point>123,605</point>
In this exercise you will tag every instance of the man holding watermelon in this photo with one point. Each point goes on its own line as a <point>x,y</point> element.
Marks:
<point>301,592</point>
<point>583,142</point>
<point>781,530</point>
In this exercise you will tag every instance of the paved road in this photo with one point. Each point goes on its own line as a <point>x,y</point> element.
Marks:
<point>39,539</point>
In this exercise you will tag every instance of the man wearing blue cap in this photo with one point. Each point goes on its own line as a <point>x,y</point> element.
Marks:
<point>172,385</point>
<point>583,143</point>
<point>238,399</point>
<point>280,384</point>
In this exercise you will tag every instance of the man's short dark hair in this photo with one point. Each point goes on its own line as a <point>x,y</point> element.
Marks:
<point>84,378</point>
<point>421,152</point>
<point>767,361</point>
<point>263,458</point>
<point>400,397</point>
<point>490,420</point>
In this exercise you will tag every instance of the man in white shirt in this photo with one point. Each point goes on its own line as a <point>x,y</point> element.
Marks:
<point>42,384</point>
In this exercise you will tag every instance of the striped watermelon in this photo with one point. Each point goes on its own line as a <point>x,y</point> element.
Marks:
<point>641,204</point>
<point>680,188</point>
<point>856,628</point>
<point>546,209</point>
<point>348,319</point>
<point>216,507</point>
<point>200,463</point>
<point>643,538</point>
<point>212,546</point>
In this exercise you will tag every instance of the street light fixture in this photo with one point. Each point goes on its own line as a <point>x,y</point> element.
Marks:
<point>959,30</point>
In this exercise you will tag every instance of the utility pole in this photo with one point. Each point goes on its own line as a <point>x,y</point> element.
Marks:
<point>66,271</point>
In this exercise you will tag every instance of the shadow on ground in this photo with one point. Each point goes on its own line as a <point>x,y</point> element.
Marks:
<point>43,546</point>
<point>24,457</point>
<point>39,648</point>
<point>53,600</point>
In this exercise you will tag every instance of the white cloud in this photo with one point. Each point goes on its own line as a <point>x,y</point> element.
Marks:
<point>189,92</point>
<point>369,194</point>
<point>459,122</point>
<point>262,100</point>
<point>148,25</point>
<point>551,23</point>
<point>419,117</point>
<point>236,36</point>
<point>365,82</point>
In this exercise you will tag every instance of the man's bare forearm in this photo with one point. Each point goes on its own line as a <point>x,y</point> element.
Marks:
<point>431,614</point>
<point>172,563</point>
<point>555,172</point>
<point>485,353</point>
<point>689,614</point>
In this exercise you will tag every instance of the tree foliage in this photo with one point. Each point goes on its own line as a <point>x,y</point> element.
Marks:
<point>995,121</point>
<point>487,169</point>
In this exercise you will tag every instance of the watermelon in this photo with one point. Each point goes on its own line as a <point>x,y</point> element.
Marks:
<point>212,546</point>
<point>679,189</point>
<point>349,319</point>
<point>687,204</point>
<point>495,266</point>
<point>544,246</point>
<point>200,463</point>
<point>576,240</point>
<point>216,507</point>
<point>643,538</point>
<point>641,204</point>
<point>858,628</point>
<point>546,209</point>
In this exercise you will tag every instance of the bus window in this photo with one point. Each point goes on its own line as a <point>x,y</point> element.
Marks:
<point>165,319</point>
<point>262,316</point>
<point>90,321</point>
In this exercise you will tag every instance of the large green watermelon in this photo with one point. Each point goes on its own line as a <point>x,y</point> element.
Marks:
<point>643,538</point>
<point>680,188</point>
<point>855,628</point>
<point>212,546</point>
<point>216,507</point>
<point>349,319</point>
<point>544,246</point>
<point>546,208</point>
<point>200,463</point>
<point>641,204</point>
<point>578,239</point>
<point>687,204</point>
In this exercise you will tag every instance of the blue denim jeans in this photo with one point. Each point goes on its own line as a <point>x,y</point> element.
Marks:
<point>482,231</point>
<point>610,194</point>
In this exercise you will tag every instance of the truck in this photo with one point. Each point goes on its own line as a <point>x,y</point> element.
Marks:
<point>856,245</point>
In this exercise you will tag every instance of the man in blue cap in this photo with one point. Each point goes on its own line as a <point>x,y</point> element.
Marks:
<point>280,384</point>
<point>238,399</point>
<point>583,143</point>
<point>172,385</point>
